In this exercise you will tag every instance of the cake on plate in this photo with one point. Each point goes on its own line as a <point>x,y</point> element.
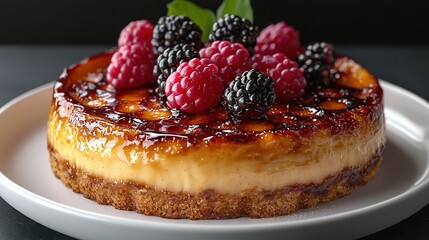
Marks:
<point>173,127</point>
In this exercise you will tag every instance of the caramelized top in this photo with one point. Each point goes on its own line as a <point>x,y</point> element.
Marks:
<point>83,93</point>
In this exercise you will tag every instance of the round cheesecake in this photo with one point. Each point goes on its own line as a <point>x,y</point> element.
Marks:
<point>126,148</point>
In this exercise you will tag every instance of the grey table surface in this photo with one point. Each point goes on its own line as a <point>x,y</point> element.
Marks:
<point>24,67</point>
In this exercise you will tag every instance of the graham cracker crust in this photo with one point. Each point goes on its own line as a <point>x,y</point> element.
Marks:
<point>209,204</point>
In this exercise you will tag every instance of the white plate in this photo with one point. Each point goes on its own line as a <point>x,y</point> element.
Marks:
<point>399,190</point>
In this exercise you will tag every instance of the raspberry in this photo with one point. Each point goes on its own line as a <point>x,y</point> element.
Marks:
<point>168,62</point>
<point>249,95</point>
<point>278,38</point>
<point>235,29</point>
<point>195,87</point>
<point>288,77</point>
<point>317,61</point>
<point>232,59</point>
<point>131,66</point>
<point>136,32</point>
<point>173,30</point>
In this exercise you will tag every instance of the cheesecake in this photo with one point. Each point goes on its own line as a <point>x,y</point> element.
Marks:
<point>128,149</point>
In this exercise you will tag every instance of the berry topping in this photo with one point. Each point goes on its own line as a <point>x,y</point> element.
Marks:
<point>173,30</point>
<point>278,38</point>
<point>195,87</point>
<point>136,32</point>
<point>131,66</point>
<point>317,61</point>
<point>169,61</point>
<point>288,77</point>
<point>249,95</point>
<point>235,29</point>
<point>232,59</point>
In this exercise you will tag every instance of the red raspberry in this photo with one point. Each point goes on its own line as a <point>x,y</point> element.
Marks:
<point>289,81</point>
<point>278,38</point>
<point>131,66</point>
<point>136,32</point>
<point>194,87</point>
<point>232,59</point>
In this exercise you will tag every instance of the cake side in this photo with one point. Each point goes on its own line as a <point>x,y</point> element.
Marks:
<point>211,204</point>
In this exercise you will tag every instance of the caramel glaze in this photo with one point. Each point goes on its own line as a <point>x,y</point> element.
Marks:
<point>82,91</point>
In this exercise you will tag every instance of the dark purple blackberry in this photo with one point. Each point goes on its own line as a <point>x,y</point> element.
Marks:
<point>249,95</point>
<point>317,61</point>
<point>235,29</point>
<point>173,30</point>
<point>168,62</point>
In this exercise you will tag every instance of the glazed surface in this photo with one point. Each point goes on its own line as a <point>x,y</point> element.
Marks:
<point>83,95</point>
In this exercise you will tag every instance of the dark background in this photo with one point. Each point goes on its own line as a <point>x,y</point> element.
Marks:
<point>369,31</point>
<point>99,22</point>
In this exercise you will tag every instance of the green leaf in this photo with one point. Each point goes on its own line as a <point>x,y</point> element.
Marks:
<point>203,17</point>
<point>241,8</point>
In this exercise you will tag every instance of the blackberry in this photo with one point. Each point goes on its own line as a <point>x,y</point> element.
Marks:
<point>169,61</point>
<point>235,29</point>
<point>317,61</point>
<point>173,30</point>
<point>249,95</point>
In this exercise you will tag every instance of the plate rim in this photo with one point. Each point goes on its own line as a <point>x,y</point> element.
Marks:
<point>10,185</point>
